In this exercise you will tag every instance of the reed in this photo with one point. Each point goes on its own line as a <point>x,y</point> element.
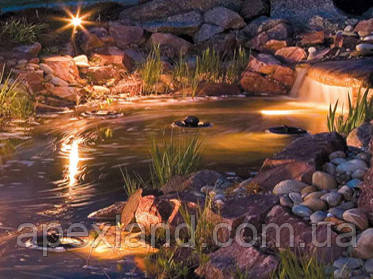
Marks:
<point>151,70</point>
<point>131,183</point>
<point>21,31</point>
<point>357,114</point>
<point>174,157</point>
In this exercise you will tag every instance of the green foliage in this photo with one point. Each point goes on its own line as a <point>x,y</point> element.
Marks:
<point>174,157</point>
<point>15,102</point>
<point>294,267</point>
<point>132,183</point>
<point>20,31</point>
<point>163,264</point>
<point>151,70</point>
<point>357,114</point>
<point>237,66</point>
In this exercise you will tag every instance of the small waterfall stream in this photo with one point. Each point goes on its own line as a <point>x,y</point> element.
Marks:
<point>326,83</point>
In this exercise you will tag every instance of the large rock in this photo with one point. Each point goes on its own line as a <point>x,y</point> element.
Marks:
<point>193,182</point>
<point>302,234</point>
<point>206,32</point>
<point>63,67</point>
<point>159,9</point>
<point>100,75</point>
<point>299,160</point>
<point>364,246</point>
<point>299,11</point>
<point>34,80</point>
<point>254,8</point>
<point>128,211</point>
<point>360,136</point>
<point>225,262</point>
<point>257,83</point>
<point>183,24</point>
<point>112,56</point>
<point>179,45</point>
<point>225,18</point>
<point>291,54</point>
<point>125,36</point>
<point>364,27</point>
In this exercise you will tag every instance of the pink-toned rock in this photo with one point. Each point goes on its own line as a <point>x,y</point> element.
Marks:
<point>130,85</point>
<point>285,75</point>
<point>313,38</point>
<point>274,45</point>
<point>33,80</point>
<point>129,209</point>
<point>166,39</point>
<point>125,36</point>
<point>299,160</point>
<point>257,83</point>
<point>90,42</point>
<point>357,217</point>
<point>225,262</point>
<point>102,74</point>
<point>63,67</point>
<point>66,92</point>
<point>291,54</point>
<point>273,29</point>
<point>263,63</point>
<point>299,237</point>
<point>112,56</point>
<point>365,27</point>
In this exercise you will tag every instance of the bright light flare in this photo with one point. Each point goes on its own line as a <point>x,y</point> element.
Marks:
<point>75,21</point>
<point>74,162</point>
<point>278,112</point>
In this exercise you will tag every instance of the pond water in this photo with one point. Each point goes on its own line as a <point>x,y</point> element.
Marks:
<point>68,165</point>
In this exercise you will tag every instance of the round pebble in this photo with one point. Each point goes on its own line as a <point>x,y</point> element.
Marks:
<point>337,154</point>
<point>301,210</point>
<point>346,192</point>
<point>295,197</point>
<point>333,199</point>
<point>318,216</point>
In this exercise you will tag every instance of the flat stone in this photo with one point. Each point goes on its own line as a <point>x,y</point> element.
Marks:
<point>124,36</point>
<point>312,38</point>
<point>178,44</point>
<point>291,54</point>
<point>110,213</point>
<point>257,83</point>
<point>225,18</point>
<point>63,67</point>
<point>206,32</point>
<point>288,186</point>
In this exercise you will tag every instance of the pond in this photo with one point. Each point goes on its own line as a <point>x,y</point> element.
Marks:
<point>68,165</point>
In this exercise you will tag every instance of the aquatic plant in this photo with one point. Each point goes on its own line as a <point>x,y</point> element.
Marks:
<point>294,267</point>
<point>151,70</point>
<point>15,102</point>
<point>361,111</point>
<point>177,156</point>
<point>132,183</point>
<point>21,31</point>
<point>237,65</point>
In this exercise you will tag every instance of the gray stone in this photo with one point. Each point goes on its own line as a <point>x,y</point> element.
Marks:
<point>337,154</point>
<point>323,180</point>
<point>333,199</point>
<point>350,263</point>
<point>251,30</point>
<point>363,156</point>
<point>288,186</point>
<point>368,266</point>
<point>347,192</point>
<point>286,201</point>
<point>329,168</point>
<point>206,32</point>
<point>342,273</point>
<point>359,174</point>
<point>365,49</point>
<point>336,212</point>
<point>351,166</point>
<point>318,216</point>
<point>295,197</point>
<point>338,161</point>
<point>301,210</point>
<point>254,8</point>
<point>299,11</point>
<point>354,183</point>
<point>225,18</point>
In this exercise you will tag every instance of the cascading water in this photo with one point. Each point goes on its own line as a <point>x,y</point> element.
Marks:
<point>326,83</point>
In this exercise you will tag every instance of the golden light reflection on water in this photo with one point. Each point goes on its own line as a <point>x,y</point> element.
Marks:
<point>71,148</point>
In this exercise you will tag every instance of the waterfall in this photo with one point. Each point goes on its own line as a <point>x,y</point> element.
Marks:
<point>326,83</point>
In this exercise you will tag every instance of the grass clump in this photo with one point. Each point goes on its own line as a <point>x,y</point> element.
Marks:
<point>174,157</point>
<point>151,70</point>
<point>21,31</point>
<point>15,102</point>
<point>132,183</point>
<point>294,267</point>
<point>357,114</point>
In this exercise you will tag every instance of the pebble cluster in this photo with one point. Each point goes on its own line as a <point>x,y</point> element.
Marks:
<point>332,198</point>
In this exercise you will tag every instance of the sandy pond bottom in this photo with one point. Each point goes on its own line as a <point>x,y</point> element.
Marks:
<point>69,165</point>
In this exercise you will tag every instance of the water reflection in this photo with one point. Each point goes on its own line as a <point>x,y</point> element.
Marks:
<point>71,147</point>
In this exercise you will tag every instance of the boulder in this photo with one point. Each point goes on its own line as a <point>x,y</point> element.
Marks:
<point>257,83</point>
<point>217,89</point>
<point>128,212</point>
<point>225,18</point>
<point>206,32</point>
<point>274,45</point>
<point>302,234</point>
<point>63,67</point>
<point>112,56</point>
<point>300,11</point>
<point>192,182</point>
<point>63,92</point>
<point>299,160</point>
<point>89,42</point>
<point>291,54</point>
<point>109,213</point>
<point>312,38</point>
<point>179,45</point>
<point>125,36</point>
<point>254,8</point>
<point>360,136</point>
<point>183,24</point>
<point>364,27</point>
<point>225,262</point>
<point>34,80</point>
<point>159,9</point>
<point>102,74</point>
